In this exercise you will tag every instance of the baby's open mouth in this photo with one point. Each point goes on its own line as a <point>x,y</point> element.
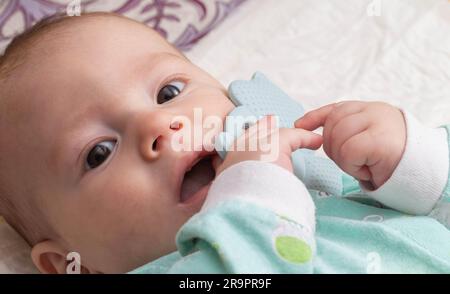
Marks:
<point>197,179</point>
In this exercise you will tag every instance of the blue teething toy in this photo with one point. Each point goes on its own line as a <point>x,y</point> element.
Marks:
<point>259,97</point>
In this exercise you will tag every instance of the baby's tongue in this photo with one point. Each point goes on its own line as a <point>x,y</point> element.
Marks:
<point>199,176</point>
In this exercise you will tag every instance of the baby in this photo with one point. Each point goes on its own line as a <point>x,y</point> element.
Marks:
<point>89,107</point>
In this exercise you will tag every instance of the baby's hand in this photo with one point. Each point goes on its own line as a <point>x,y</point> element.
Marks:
<point>265,142</point>
<point>365,139</point>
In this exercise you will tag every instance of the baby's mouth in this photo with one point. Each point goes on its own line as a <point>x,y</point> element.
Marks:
<point>197,179</point>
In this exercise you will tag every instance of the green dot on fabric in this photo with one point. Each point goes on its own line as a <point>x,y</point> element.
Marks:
<point>293,249</point>
<point>216,246</point>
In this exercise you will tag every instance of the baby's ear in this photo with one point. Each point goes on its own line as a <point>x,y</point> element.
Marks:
<point>51,258</point>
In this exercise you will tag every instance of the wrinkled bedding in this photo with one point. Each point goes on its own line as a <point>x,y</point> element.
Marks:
<point>321,51</point>
<point>328,50</point>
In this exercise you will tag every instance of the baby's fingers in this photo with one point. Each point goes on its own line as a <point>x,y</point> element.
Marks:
<point>255,133</point>
<point>329,115</point>
<point>343,130</point>
<point>299,138</point>
<point>266,135</point>
<point>354,156</point>
<point>315,118</point>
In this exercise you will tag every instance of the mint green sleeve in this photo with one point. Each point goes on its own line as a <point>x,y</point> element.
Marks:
<point>250,223</point>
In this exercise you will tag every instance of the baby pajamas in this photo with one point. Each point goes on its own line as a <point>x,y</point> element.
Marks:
<point>260,218</point>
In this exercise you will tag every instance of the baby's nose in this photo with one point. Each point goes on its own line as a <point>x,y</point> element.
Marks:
<point>156,133</point>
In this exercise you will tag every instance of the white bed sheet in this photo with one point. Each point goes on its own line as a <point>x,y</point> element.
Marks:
<point>321,51</point>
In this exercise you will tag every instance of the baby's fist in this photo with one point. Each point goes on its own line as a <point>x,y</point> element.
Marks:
<point>365,139</point>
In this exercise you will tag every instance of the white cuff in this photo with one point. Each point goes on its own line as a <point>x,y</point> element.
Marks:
<point>421,175</point>
<point>264,184</point>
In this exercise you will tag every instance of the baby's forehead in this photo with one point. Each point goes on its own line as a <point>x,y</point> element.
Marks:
<point>85,37</point>
<point>102,35</point>
<point>80,50</point>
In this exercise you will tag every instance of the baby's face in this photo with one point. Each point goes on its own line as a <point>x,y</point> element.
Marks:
<point>98,143</point>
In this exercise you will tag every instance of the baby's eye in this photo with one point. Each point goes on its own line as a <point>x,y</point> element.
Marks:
<point>99,154</point>
<point>170,91</point>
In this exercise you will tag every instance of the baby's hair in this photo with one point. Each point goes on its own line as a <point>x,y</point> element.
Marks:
<point>15,206</point>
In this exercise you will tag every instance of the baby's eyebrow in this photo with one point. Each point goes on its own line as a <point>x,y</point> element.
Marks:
<point>155,59</point>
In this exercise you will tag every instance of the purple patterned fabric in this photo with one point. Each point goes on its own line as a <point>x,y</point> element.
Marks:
<point>182,22</point>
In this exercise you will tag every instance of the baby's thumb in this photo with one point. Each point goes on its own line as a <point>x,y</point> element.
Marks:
<point>299,138</point>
